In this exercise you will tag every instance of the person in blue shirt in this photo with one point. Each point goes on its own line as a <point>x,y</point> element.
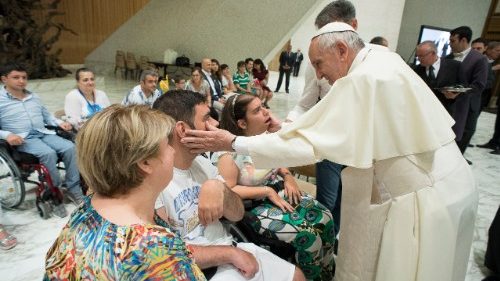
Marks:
<point>23,118</point>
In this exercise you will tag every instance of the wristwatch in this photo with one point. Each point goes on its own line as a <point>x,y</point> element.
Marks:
<point>233,143</point>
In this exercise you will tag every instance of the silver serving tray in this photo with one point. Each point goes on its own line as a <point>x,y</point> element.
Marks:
<point>454,89</point>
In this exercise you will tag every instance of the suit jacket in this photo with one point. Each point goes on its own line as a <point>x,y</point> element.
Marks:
<point>473,73</point>
<point>217,84</point>
<point>299,58</point>
<point>287,59</point>
<point>447,76</point>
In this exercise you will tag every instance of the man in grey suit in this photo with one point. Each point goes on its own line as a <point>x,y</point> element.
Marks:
<point>473,74</point>
<point>436,72</point>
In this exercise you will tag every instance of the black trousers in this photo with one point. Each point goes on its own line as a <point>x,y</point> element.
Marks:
<point>492,257</point>
<point>495,140</point>
<point>296,68</point>
<point>470,123</point>
<point>287,79</point>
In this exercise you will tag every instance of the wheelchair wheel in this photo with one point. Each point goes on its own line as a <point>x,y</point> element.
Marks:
<point>237,234</point>
<point>12,188</point>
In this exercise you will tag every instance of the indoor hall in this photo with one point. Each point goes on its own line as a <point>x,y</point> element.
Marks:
<point>401,26</point>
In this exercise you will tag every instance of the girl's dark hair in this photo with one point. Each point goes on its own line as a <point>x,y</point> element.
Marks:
<point>223,66</point>
<point>80,70</point>
<point>240,64</point>
<point>231,114</point>
<point>217,73</point>
<point>261,63</point>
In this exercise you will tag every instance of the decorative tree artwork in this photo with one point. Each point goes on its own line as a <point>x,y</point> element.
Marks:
<point>28,32</point>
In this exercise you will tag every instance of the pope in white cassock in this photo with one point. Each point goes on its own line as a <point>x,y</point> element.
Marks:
<point>409,199</point>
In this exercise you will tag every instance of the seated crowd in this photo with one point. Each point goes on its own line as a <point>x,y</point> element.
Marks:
<point>159,210</point>
<point>153,213</point>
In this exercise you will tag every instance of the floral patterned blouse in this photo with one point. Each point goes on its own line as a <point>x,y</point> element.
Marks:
<point>90,247</point>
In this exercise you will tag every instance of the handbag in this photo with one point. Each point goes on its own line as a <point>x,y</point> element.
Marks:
<point>182,61</point>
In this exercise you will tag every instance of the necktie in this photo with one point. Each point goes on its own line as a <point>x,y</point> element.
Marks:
<point>431,75</point>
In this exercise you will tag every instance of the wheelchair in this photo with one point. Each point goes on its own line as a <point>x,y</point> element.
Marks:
<point>247,230</point>
<point>15,170</point>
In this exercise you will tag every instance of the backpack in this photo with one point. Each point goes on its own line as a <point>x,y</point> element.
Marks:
<point>182,61</point>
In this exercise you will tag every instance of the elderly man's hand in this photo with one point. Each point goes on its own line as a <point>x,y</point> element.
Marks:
<point>66,126</point>
<point>13,140</point>
<point>211,201</point>
<point>212,140</point>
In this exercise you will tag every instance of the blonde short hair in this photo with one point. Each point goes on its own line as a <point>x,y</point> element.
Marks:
<point>112,143</point>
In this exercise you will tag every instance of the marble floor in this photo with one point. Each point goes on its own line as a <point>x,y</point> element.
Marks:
<point>35,235</point>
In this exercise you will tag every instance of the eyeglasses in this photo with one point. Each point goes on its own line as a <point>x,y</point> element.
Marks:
<point>424,55</point>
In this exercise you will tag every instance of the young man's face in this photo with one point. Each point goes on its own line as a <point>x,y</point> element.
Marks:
<point>15,80</point>
<point>457,45</point>
<point>149,83</point>
<point>479,46</point>
<point>201,115</point>
<point>249,65</point>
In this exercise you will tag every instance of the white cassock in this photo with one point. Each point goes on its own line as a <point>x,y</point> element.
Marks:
<point>409,199</point>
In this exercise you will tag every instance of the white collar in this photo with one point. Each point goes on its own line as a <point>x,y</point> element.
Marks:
<point>360,57</point>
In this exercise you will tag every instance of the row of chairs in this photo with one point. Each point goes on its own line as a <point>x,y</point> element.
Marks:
<point>128,65</point>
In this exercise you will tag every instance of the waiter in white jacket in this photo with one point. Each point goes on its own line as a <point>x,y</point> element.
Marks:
<point>409,199</point>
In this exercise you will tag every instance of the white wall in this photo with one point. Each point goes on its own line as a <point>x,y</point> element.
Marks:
<point>370,23</point>
<point>224,29</point>
<point>441,13</point>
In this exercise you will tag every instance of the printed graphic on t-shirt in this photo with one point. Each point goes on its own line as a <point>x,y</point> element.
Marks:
<point>186,212</point>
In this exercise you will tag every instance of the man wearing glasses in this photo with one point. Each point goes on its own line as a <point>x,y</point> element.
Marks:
<point>437,72</point>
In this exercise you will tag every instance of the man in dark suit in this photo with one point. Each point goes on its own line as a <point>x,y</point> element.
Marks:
<point>493,54</point>
<point>299,57</point>
<point>215,85</point>
<point>473,74</point>
<point>436,72</point>
<point>287,58</point>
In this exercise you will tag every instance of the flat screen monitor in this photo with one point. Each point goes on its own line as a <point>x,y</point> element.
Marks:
<point>440,36</point>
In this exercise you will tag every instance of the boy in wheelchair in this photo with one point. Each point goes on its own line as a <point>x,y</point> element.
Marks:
<point>196,199</point>
<point>23,118</point>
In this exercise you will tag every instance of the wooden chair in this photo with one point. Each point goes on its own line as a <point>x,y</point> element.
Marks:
<point>308,171</point>
<point>307,187</point>
<point>59,114</point>
<point>144,65</point>
<point>131,65</point>
<point>120,62</point>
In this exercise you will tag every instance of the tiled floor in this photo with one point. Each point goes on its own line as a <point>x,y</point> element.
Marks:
<point>26,261</point>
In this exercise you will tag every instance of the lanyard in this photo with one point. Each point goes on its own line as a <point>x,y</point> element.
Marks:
<point>94,108</point>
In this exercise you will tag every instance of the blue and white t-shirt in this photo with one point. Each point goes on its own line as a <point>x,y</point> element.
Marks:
<point>136,96</point>
<point>180,199</point>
